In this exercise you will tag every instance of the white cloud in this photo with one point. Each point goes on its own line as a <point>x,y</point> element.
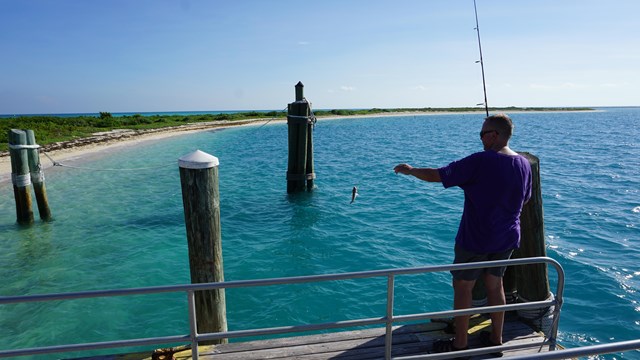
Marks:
<point>347,88</point>
<point>418,87</point>
<point>303,43</point>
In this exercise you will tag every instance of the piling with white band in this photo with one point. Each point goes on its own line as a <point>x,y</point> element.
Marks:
<point>21,180</point>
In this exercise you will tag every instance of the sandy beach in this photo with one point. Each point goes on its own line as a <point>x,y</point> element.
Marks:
<point>82,149</point>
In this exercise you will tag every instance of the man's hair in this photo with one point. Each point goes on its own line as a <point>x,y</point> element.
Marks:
<point>502,123</point>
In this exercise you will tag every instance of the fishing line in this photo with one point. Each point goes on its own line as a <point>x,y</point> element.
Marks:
<point>270,120</point>
<point>57,163</point>
<point>484,86</point>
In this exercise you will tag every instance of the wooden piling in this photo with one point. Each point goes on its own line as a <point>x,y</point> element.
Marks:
<point>20,176</point>
<point>310,175</point>
<point>300,173</point>
<point>201,200</point>
<point>532,280</point>
<point>37,177</point>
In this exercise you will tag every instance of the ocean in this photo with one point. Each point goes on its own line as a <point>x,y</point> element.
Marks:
<point>119,223</point>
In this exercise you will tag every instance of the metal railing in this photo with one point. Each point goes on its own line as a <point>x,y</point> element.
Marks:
<point>388,319</point>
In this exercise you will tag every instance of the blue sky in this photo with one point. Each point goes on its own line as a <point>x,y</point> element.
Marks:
<point>67,56</point>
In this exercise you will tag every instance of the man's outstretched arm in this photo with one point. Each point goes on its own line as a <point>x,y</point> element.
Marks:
<point>426,174</point>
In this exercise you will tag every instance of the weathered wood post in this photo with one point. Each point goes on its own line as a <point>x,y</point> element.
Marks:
<point>300,127</point>
<point>20,176</point>
<point>309,172</point>
<point>532,281</point>
<point>37,177</point>
<point>201,200</point>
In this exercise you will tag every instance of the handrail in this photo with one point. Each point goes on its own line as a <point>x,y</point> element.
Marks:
<point>561,354</point>
<point>389,319</point>
<point>619,346</point>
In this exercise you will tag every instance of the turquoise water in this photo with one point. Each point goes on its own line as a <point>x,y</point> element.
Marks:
<point>123,227</point>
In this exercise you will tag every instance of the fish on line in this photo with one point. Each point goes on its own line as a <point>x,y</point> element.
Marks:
<point>354,194</point>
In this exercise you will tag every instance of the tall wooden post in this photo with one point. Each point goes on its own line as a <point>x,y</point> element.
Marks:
<point>201,200</point>
<point>309,172</point>
<point>20,176</point>
<point>532,280</point>
<point>300,173</point>
<point>37,177</point>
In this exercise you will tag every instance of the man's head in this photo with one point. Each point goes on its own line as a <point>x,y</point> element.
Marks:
<point>496,131</point>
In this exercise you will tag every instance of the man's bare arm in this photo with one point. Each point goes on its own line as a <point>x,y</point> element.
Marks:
<point>426,174</point>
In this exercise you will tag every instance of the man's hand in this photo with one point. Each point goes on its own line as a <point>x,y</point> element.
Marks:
<point>404,169</point>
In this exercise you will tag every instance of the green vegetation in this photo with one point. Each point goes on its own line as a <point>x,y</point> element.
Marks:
<point>51,129</point>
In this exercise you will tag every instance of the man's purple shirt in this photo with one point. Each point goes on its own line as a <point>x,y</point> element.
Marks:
<point>495,188</point>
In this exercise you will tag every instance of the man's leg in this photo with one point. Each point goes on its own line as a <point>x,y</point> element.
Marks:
<point>462,300</point>
<point>495,296</point>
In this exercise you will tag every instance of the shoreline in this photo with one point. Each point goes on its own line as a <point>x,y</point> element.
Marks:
<point>83,149</point>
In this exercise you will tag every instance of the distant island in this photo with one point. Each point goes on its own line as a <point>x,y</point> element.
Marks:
<point>55,132</point>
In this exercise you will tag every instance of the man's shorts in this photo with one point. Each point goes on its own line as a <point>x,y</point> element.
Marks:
<point>463,256</point>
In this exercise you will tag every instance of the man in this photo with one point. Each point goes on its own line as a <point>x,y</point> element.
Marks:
<point>496,184</point>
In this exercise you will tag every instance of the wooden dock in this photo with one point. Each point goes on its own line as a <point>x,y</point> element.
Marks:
<point>408,340</point>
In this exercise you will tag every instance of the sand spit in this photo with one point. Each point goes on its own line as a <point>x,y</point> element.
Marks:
<point>105,141</point>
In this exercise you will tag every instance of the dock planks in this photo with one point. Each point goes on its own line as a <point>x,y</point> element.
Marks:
<point>408,340</point>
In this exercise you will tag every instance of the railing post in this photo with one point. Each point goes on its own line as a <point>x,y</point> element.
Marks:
<point>193,328</point>
<point>388,340</point>
<point>201,200</point>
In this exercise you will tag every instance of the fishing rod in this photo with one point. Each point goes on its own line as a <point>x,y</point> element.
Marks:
<point>484,86</point>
